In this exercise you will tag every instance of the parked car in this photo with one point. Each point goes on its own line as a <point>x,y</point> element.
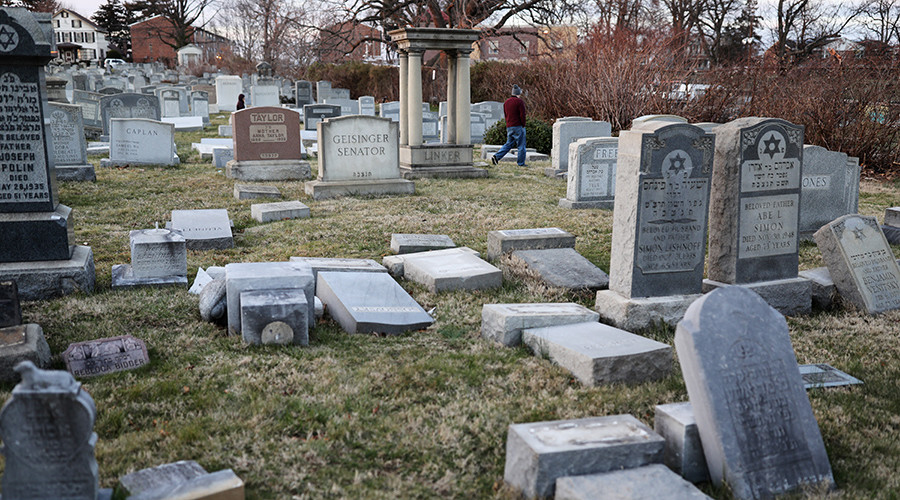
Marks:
<point>114,63</point>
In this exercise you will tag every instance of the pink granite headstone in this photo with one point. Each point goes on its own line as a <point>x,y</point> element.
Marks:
<point>266,133</point>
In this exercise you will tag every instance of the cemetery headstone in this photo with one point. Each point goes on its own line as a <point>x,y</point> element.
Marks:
<point>18,342</point>
<point>255,191</point>
<point>204,229</point>
<point>267,146</point>
<point>323,91</point>
<point>158,258</point>
<point>265,94</point>
<point>47,428</point>
<point>34,225</point>
<point>754,209</point>
<point>348,106</point>
<point>358,155</point>
<point>90,108</point>
<point>740,371</point>
<point>275,316</point>
<point>861,263</point>
<point>303,93</point>
<point>283,210</point>
<point>370,303</point>
<point>128,105</point>
<point>139,141</point>
<point>367,105</point>
<point>69,146</point>
<point>452,269</point>
<point>683,454</point>
<point>825,375</point>
<point>829,188</point>
<point>227,90</point>
<point>313,114</point>
<point>253,276</point>
<point>99,357</point>
<point>508,240</point>
<point>182,479</point>
<point>109,90</point>
<point>338,265</point>
<point>10,310</point>
<point>171,105</point>
<point>659,224</point>
<point>559,268</point>
<point>649,481</point>
<point>221,156</point>
<point>200,105</point>
<point>591,178</point>
<point>390,110</point>
<point>568,130</point>
<point>640,121</point>
<point>503,323</point>
<point>412,243</point>
<point>225,130</point>
<point>492,110</point>
<point>891,227</point>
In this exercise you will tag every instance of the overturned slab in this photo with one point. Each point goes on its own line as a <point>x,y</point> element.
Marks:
<point>647,482</point>
<point>562,268</point>
<point>503,323</point>
<point>370,303</point>
<point>507,240</point>
<point>442,270</point>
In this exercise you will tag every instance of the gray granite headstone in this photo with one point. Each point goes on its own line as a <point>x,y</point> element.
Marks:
<point>561,268</point>
<point>451,269</point>
<point>412,243</point>
<point>275,316</point>
<point>221,156</point>
<point>684,454</point>
<point>69,146</point>
<point>184,479</point>
<point>90,107</point>
<point>648,482</point>
<point>891,227</point>
<point>591,178</point>
<point>503,323</point>
<point>861,263</point>
<point>158,258</point>
<point>315,113</point>
<point>370,303</point>
<point>250,276</point>
<point>204,229</point>
<point>757,427</point>
<point>303,93</point>
<point>282,210</point>
<point>102,356</point>
<point>829,188</point>
<point>48,437</point>
<point>339,265</point>
<point>128,105</point>
<point>565,132</point>
<point>505,241</point>
<point>824,375</point>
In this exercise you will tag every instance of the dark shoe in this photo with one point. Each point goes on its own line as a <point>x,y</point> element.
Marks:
<point>523,165</point>
<point>494,160</point>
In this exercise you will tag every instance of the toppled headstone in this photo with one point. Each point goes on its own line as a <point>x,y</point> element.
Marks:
<point>185,479</point>
<point>255,191</point>
<point>243,277</point>
<point>504,323</point>
<point>394,263</point>
<point>891,227</point>
<point>269,212</point>
<point>649,481</point>
<point>562,268</point>
<point>684,454</point>
<point>370,303</point>
<point>507,240</point>
<point>102,356</point>
<point>213,301</point>
<point>47,428</point>
<point>339,265</point>
<point>452,269</point>
<point>539,453</point>
<point>756,425</point>
<point>158,258</point>
<point>204,229</point>
<point>601,354</point>
<point>824,375</point>
<point>21,343</point>
<point>824,293</point>
<point>861,263</point>
<point>412,243</point>
<point>275,316</point>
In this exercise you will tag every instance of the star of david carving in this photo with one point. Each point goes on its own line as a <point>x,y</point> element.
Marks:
<point>9,39</point>
<point>676,163</point>
<point>858,232</point>
<point>772,145</point>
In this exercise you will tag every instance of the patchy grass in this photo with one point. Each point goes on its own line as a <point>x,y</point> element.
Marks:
<point>418,415</point>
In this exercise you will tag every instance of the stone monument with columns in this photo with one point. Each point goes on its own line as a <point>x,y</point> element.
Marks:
<point>453,158</point>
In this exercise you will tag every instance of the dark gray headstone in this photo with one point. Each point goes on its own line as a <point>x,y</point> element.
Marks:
<point>830,187</point>
<point>48,438</point>
<point>303,93</point>
<point>757,427</point>
<point>370,303</point>
<point>562,268</point>
<point>128,105</point>
<point>315,113</point>
<point>102,356</point>
<point>10,312</point>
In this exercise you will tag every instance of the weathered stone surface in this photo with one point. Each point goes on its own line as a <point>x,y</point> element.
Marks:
<point>412,243</point>
<point>633,314</point>
<point>139,141</point>
<point>275,316</point>
<point>35,236</point>
<point>338,265</point>
<point>213,303</point>
<point>165,475</point>
<point>601,354</point>
<point>249,276</point>
<point>539,453</point>
<point>22,343</point>
<point>566,132</point>
<point>824,293</point>
<point>204,229</point>
<point>504,323</point>
<point>52,278</point>
<point>562,268</point>
<point>123,277</point>
<point>649,481</point>
<point>740,371</point>
<point>394,263</point>
<point>591,173</point>
<point>861,263</point>
<point>829,188</point>
<point>891,234</point>
<point>158,253</point>
<point>892,216</point>
<point>791,297</point>
<point>684,453</point>
<point>255,191</point>
<point>268,170</point>
<point>102,356</point>
<point>370,303</point>
<point>181,480</point>
<point>452,269</point>
<point>505,241</point>
<point>269,212</point>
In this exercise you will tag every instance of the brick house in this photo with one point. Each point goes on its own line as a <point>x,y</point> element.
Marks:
<point>149,37</point>
<point>524,42</point>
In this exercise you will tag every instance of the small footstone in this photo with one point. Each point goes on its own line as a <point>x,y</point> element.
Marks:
<point>601,354</point>
<point>539,453</point>
<point>102,356</point>
<point>563,268</point>
<point>213,302</point>
<point>504,323</point>
<point>269,212</point>
<point>684,454</point>
<point>254,191</point>
<point>184,479</point>
<point>650,481</point>
<point>412,243</point>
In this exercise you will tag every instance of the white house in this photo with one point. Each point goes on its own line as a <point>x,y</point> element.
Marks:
<point>77,38</point>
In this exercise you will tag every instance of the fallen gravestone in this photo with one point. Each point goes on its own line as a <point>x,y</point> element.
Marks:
<point>158,258</point>
<point>411,243</point>
<point>99,357</point>
<point>861,263</point>
<point>756,425</point>
<point>507,240</point>
<point>601,354</point>
<point>370,303</point>
<point>204,229</point>
<point>539,453</point>
<point>282,210</point>
<point>255,191</point>
<point>47,428</point>
<point>823,375</point>
<point>684,454</point>
<point>824,293</point>
<point>561,268</point>
<point>649,481</point>
<point>503,323</point>
<point>275,316</point>
<point>451,269</point>
<point>185,479</point>
<point>591,177</point>
<point>250,276</point>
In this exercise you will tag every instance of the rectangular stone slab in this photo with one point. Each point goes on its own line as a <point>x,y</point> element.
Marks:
<point>370,303</point>
<point>451,271</point>
<point>204,229</point>
<point>338,265</point>
<point>10,311</point>
<point>275,316</point>
<point>647,482</point>
<point>562,268</point>
<point>824,375</point>
<point>248,276</point>
<point>269,212</point>
<point>861,263</point>
<point>757,427</point>
<point>102,356</point>
<point>255,191</point>
<point>505,241</point>
<point>157,253</point>
<point>411,243</point>
<point>892,216</point>
<point>684,453</point>
<point>601,354</point>
<point>539,453</point>
<point>161,476</point>
<point>504,323</point>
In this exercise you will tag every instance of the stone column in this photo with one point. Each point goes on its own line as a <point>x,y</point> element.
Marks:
<point>414,98</point>
<point>463,98</point>
<point>451,98</point>
<point>404,90</point>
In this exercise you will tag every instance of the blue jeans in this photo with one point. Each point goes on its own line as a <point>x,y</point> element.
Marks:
<point>515,136</point>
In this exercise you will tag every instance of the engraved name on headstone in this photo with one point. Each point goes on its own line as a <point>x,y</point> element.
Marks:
<point>102,356</point>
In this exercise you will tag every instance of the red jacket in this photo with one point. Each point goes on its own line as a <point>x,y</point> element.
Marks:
<point>514,109</point>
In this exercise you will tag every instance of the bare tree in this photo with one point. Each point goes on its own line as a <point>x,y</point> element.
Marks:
<point>712,24</point>
<point>882,20</point>
<point>803,26</point>
<point>617,16</point>
<point>182,16</point>
<point>685,16</point>
<point>274,31</point>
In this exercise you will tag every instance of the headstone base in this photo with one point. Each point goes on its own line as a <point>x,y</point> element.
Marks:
<point>791,297</point>
<point>52,278</point>
<point>76,173</point>
<point>36,236</point>
<point>123,277</point>
<point>575,205</point>
<point>634,314</point>
<point>109,162</point>
<point>553,173</point>
<point>438,160</point>
<point>560,268</point>
<point>321,190</point>
<point>21,343</point>
<point>269,212</point>
<point>255,191</point>
<point>892,234</point>
<point>684,453</point>
<point>824,293</point>
<point>268,170</point>
<point>455,172</point>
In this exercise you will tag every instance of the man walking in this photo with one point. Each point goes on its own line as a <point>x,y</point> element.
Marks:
<point>514,110</point>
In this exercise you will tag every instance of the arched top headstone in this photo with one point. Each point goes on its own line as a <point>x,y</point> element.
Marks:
<point>21,36</point>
